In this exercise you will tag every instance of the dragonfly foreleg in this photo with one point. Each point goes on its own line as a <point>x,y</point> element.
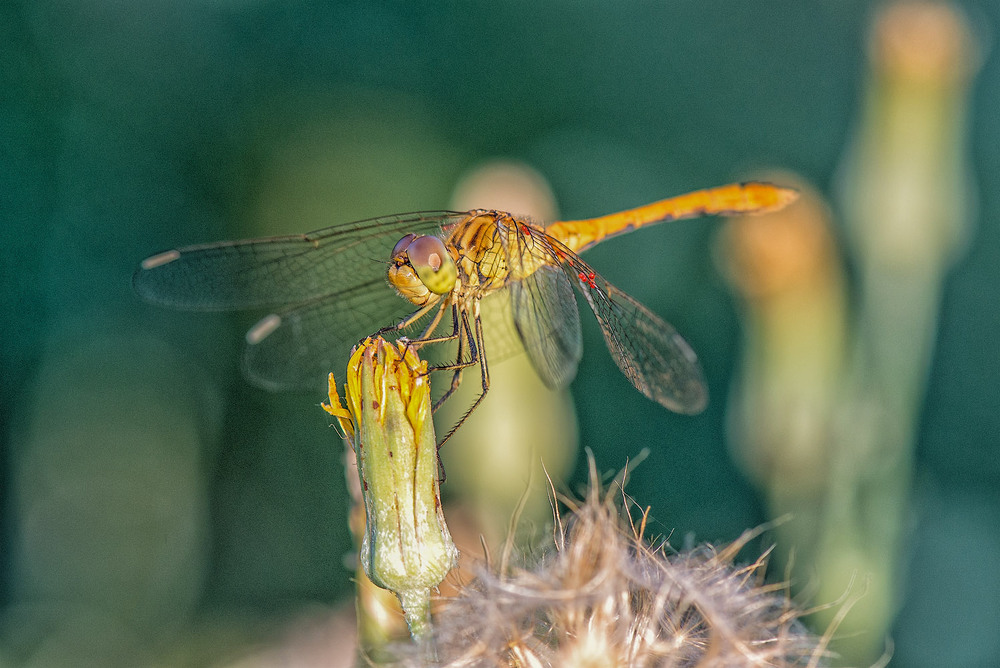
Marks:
<point>432,325</point>
<point>425,338</point>
<point>410,319</point>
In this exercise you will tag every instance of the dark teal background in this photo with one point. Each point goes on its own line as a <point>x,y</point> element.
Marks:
<point>127,128</point>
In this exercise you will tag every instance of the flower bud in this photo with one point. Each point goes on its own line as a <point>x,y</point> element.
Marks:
<point>406,547</point>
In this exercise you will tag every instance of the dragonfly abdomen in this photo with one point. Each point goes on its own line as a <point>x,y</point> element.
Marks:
<point>732,199</point>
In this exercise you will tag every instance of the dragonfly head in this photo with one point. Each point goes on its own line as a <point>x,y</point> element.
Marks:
<point>422,268</point>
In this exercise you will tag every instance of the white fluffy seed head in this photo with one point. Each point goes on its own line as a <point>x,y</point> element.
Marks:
<point>607,597</point>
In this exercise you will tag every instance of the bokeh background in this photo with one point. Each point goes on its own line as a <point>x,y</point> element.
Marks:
<point>157,510</point>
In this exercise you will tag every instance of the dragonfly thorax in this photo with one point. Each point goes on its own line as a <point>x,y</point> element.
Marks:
<point>422,269</point>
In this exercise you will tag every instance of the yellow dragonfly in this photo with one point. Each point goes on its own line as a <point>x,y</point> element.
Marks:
<point>330,289</point>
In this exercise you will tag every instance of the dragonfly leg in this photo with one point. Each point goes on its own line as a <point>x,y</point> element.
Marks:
<point>479,353</point>
<point>465,338</point>
<point>432,325</point>
<point>455,331</point>
<point>412,318</point>
<point>461,330</point>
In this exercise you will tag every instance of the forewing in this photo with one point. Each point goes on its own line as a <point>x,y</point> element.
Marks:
<point>548,323</point>
<point>650,352</point>
<point>277,271</point>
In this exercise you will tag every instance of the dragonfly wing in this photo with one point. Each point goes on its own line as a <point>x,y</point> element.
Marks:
<point>650,352</point>
<point>548,323</point>
<point>275,271</point>
<point>297,348</point>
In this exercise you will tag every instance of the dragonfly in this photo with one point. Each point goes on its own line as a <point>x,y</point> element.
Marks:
<point>411,272</point>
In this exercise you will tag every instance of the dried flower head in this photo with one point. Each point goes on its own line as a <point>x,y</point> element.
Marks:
<point>607,597</point>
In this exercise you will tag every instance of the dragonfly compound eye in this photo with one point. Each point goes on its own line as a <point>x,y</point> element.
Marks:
<point>402,244</point>
<point>433,264</point>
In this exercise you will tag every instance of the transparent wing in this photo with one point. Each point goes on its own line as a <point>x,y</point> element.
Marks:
<point>276,271</point>
<point>297,348</point>
<point>650,352</point>
<point>331,283</point>
<point>548,323</point>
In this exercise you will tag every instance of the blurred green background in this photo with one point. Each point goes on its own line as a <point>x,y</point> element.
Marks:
<point>157,510</point>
